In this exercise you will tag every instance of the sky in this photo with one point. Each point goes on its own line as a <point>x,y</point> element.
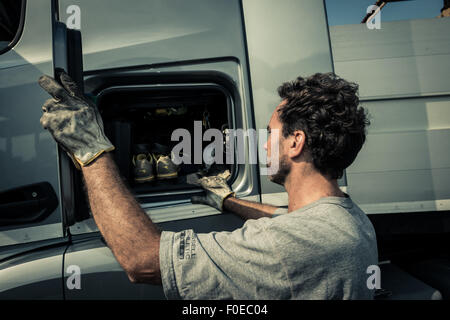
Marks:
<point>353,11</point>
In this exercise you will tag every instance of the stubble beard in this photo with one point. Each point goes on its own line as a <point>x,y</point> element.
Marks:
<point>283,171</point>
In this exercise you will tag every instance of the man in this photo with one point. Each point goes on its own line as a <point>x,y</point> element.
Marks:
<point>445,11</point>
<point>319,249</point>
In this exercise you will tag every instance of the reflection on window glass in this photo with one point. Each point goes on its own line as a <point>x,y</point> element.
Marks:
<point>342,12</point>
<point>9,21</point>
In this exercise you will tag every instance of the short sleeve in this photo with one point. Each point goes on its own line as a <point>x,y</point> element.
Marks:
<point>242,264</point>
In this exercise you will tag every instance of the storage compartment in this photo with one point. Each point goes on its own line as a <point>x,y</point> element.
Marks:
<point>141,120</point>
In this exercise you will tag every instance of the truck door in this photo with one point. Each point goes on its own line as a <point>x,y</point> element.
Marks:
<point>31,232</point>
<point>151,68</point>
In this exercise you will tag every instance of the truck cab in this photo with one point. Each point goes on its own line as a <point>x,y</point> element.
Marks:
<point>156,66</point>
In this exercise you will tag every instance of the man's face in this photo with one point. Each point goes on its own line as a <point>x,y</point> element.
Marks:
<point>275,140</point>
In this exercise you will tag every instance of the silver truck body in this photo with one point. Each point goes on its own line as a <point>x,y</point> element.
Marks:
<point>256,45</point>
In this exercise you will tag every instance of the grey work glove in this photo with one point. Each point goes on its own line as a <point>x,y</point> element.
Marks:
<point>73,121</point>
<point>216,187</point>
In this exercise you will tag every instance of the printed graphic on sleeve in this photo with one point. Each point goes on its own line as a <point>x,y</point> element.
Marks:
<point>187,245</point>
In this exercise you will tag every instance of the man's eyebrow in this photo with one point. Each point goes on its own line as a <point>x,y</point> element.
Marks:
<point>268,128</point>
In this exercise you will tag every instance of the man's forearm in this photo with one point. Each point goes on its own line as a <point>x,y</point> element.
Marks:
<point>129,232</point>
<point>248,209</point>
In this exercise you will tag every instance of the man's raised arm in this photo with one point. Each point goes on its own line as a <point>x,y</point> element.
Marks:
<point>126,227</point>
<point>77,126</point>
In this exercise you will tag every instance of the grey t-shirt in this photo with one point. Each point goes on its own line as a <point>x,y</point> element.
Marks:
<point>321,251</point>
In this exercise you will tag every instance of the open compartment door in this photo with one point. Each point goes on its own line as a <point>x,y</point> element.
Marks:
<point>154,117</point>
<point>68,56</point>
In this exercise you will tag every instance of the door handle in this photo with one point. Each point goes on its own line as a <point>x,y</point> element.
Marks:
<point>27,204</point>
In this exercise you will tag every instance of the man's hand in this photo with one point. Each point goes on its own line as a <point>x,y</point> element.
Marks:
<point>73,121</point>
<point>217,190</point>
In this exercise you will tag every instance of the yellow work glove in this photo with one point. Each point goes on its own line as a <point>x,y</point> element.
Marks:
<point>73,121</point>
<point>217,190</point>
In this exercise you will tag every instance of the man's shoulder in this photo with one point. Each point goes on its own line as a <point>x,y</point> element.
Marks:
<point>331,209</point>
<point>324,223</point>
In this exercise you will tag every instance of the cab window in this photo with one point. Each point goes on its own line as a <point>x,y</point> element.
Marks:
<point>11,22</point>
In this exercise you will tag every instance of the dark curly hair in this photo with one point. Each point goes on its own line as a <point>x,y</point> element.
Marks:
<point>326,108</point>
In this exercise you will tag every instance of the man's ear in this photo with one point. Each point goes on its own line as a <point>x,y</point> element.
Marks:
<point>296,143</point>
